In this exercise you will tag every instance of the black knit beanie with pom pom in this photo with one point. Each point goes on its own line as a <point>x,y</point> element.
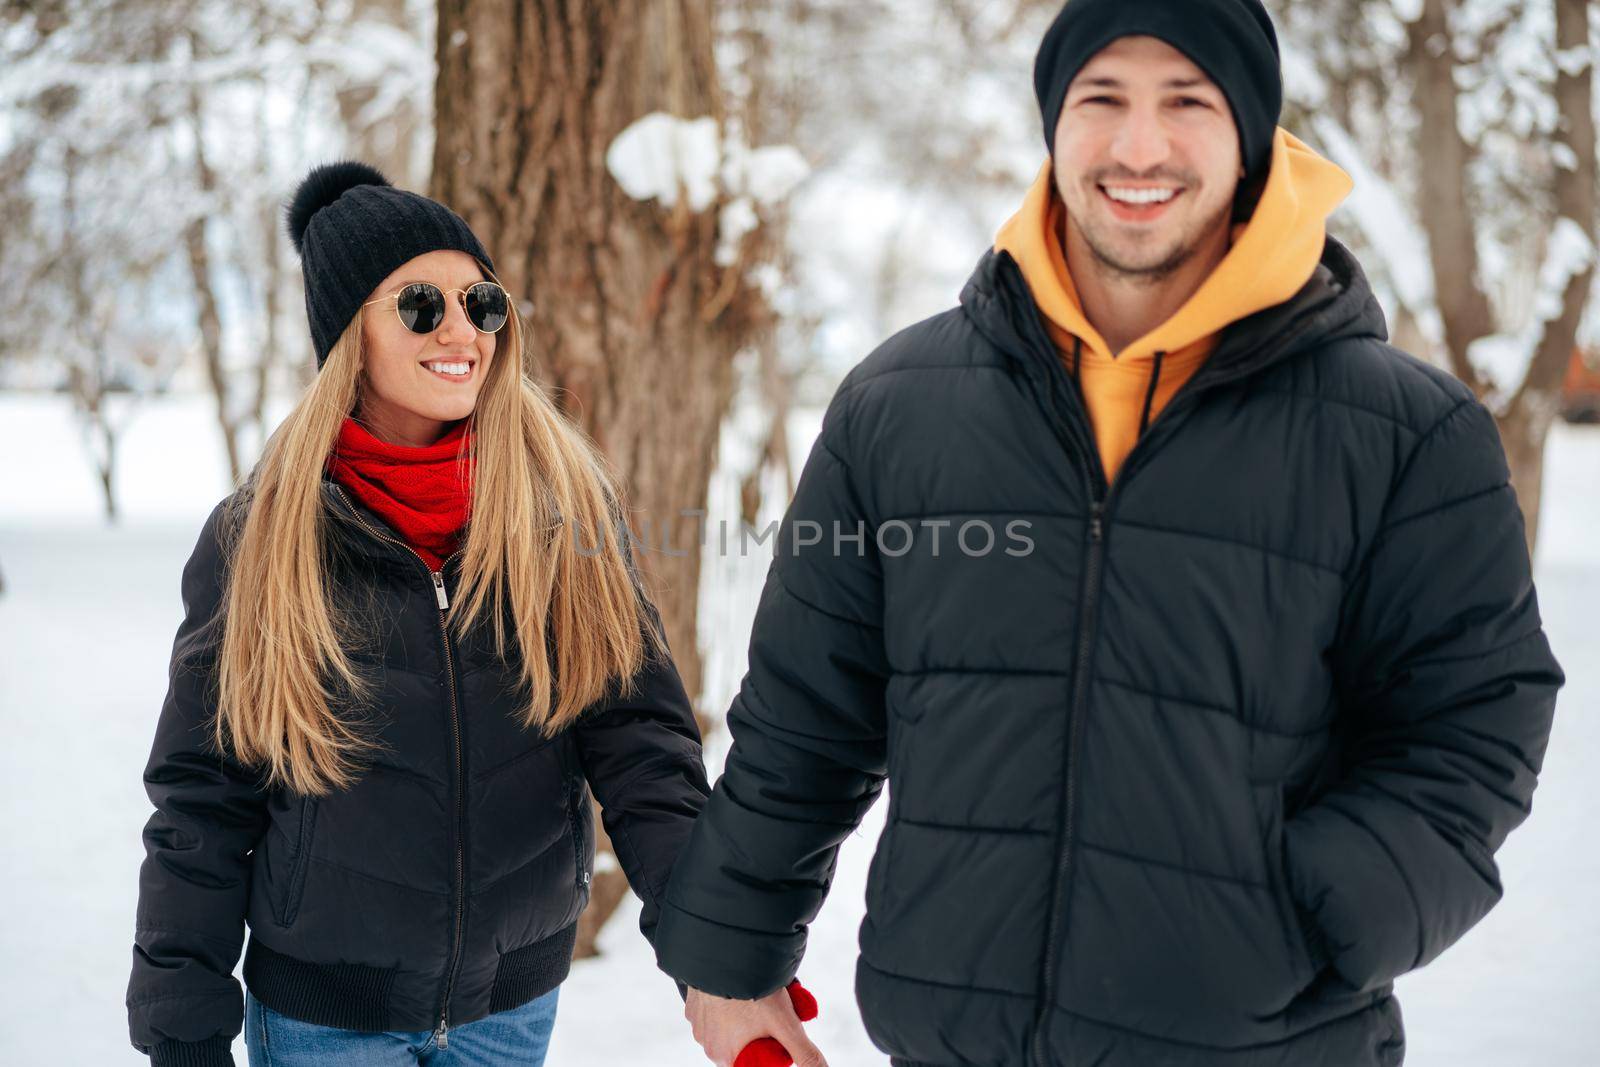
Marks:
<point>352,229</point>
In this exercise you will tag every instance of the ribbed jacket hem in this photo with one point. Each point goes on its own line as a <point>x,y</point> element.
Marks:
<point>532,970</point>
<point>350,996</point>
<point>212,1052</point>
<point>356,997</point>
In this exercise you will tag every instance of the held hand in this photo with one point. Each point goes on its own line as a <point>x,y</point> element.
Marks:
<point>769,1051</point>
<point>723,1028</point>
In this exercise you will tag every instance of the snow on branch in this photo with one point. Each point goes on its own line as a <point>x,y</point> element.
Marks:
<point>367,52</point>
<point>661,156</point>
<point>1503,358</point>
<point>1392,235</point>
<point>1572,61</point>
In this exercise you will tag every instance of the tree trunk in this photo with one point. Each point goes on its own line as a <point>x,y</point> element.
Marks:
<point>1442,202</point>
<point>1533,409</point>
<point>89,376</point>
<point>108,469</point>
<point>209,319</point>
<point>632,323</point>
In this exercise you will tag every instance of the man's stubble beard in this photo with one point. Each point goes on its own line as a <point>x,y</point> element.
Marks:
<point>1182,251</point>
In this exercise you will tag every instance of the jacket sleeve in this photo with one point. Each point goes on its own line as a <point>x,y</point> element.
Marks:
<point>1447,687</point>
<point>184,1006</point>
<point>808,756</point>
<point>641,756</point>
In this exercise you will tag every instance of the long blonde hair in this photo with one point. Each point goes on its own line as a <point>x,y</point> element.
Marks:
<point>539,486</point>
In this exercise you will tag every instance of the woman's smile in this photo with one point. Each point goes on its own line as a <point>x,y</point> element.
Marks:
<point>451,370</point>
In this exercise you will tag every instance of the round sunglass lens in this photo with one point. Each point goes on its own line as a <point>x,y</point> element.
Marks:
<point>487,306</point>
<point>421,307</point>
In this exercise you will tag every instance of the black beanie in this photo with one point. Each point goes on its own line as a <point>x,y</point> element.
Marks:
<point>352,229</point>
<point>1232,41</point>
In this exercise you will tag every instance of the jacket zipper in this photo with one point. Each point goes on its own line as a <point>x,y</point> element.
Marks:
<point>1099,495</point>
<point>1102,496</point>
<point>442,1032</point>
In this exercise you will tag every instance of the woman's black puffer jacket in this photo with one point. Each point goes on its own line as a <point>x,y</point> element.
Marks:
<point>443,886</point>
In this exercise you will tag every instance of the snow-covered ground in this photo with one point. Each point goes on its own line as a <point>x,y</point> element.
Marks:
<point>86,623</point>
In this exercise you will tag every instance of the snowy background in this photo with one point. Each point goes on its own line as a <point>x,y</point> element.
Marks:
<point>86,624</point>
<point>900,154</point>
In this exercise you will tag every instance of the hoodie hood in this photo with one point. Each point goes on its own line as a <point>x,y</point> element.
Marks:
<point>1272,254</point>
<point>1271,258</point>
<point>1337,303</point>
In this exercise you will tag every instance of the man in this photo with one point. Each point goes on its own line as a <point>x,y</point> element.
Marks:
<point>1229,742</point>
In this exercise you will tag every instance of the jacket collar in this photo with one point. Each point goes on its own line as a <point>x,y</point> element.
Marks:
<point>1335,303</point>
<point>357,527</point>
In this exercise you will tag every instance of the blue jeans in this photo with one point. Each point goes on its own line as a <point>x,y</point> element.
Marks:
<point>518,1037</point>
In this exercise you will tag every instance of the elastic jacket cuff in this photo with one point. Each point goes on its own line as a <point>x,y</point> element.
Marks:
<point>725,961</point>
<point>212,1052</point>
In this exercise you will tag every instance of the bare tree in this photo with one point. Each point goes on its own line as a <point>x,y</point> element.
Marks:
<point>187,125</point>
<point>1451,223</point>
<point>76,254</point>
<point>208,318</point>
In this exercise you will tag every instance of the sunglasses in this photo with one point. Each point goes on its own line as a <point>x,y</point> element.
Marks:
<point>421,306</point>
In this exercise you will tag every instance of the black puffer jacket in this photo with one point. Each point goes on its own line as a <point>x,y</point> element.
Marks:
<point>446,884</point>
<point>1192,775</point>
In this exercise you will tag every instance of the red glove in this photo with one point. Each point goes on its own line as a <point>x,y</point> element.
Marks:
<point>768,1051</point>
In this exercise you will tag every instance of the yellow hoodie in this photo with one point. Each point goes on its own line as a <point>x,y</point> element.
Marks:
<point>1271,255</point>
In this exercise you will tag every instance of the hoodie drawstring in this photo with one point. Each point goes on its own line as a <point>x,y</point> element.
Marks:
<point>1077,361</point>
<point>1150,394</point>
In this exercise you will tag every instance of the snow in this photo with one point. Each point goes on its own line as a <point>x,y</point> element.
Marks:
<point>1503,358</point>
<point>1393,238</point>
<point>1572,61</point>
<point>738,217</point>
<point>1303,83</point>
<point>1571,251</point>
<point>768,174</point>
<point>370,53</point>
<point>1406,10</point>
<point>659,153</point>
<point>1518,989</point>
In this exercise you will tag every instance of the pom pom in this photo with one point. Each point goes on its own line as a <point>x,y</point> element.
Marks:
<point>324,185</point>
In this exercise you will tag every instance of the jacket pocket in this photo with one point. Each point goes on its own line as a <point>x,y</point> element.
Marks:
<point>1287,912</point>
<point>302,860</point>
<point>575,797</point>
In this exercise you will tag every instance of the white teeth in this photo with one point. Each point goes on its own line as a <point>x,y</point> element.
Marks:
<point>449,368</point>
<point>1140,196</point>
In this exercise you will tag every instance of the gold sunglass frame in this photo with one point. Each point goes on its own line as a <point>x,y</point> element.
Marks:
<point>395,296</point>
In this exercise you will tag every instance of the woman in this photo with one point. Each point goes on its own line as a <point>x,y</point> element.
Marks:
<point>355,758</point>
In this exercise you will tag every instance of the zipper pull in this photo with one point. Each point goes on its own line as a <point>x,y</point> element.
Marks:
<point>1096,526</point>
<point>438,590</point>
<point>444,1034</point>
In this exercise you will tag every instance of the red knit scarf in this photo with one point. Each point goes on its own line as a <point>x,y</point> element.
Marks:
<point>417,491</point>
